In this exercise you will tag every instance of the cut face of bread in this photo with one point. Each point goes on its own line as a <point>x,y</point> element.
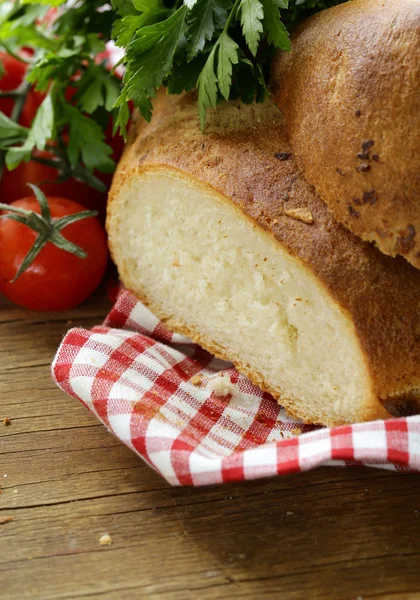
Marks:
<point>222,237</point>
<point>210,271</point>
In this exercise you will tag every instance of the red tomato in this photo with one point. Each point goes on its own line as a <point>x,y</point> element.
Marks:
<point>56,280</point>
<point>15,71</point>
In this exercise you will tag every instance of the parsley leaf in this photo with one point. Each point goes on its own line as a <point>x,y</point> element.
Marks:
<point>147,5</point>
<point>277,32</point>
<point>207,88</point>
<point>182,79</point>
<point>252,15</point>
<point>97,88</point>
<point>208,84</point>
<point>206,16</point>
<point>38,135</point>
<point>149,60</point>
<point>124,7</point>
<point>10,132</point>
<point>128,26</point>
<point>87,141</point>
<point>228,56</point>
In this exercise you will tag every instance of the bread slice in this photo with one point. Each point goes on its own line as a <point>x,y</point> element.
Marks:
<point>221,236</point>
<point>350,93</point>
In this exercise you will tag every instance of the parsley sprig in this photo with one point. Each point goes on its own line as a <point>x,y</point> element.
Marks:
<point>212,45</point>
<point>223,48</point>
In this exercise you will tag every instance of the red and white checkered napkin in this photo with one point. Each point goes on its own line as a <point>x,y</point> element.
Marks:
<point>135,377</point>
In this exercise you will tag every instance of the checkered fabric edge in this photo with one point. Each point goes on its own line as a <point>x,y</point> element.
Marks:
<point>195,419</point>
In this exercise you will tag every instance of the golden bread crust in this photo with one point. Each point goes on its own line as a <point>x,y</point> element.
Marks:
<point>350,93</point>
<point>244,157</point>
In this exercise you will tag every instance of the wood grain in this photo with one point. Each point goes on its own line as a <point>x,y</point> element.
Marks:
<point>334,534</point>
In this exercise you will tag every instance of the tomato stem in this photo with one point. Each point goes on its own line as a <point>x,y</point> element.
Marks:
<point>50,162</point>
<point>10,94</point>
<point>13,209</point>
<point>21,96</point>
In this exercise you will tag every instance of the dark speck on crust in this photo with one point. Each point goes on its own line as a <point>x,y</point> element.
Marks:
<point>363,155</point>
<point>340,172</point>
<point>358,113</point>
<point>352,212</point>
<point>375,157</point>
<point>367,144</point>
<point>370,197</point>
<point>405,243</point>
<point>283,155</point>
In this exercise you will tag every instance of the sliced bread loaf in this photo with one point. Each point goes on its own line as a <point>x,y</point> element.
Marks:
<point>221,236</point>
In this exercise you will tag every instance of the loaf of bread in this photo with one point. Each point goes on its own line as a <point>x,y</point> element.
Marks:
<point>350,93</point>
<point>221,236</point>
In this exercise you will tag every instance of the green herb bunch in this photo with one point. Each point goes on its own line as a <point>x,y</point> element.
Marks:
<point>223,48</point>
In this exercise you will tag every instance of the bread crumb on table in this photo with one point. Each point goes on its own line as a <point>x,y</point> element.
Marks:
<point>196,380</point>
<point>4,520</point>
<point>296,431</point>
<point>7,421</point>
<point>105,540</point>
<point>221,385</point>
<point>300,214</point>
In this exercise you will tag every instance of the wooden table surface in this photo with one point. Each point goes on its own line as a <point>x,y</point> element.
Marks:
<point>328,534</point>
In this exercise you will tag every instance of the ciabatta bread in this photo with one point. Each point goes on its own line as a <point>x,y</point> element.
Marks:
<point>221,236</point>
<point>350,93</point>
